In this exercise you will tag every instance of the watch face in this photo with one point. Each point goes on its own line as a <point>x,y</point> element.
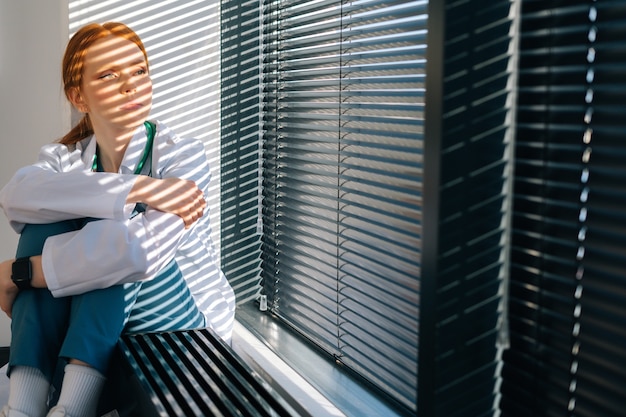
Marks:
<point>22,273</point>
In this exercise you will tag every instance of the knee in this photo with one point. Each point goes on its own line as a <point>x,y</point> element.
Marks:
<point>33,236</point>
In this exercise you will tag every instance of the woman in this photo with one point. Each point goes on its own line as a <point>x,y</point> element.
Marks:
<point>114,234</point>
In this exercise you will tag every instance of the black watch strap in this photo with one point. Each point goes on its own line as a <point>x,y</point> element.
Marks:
<point>22,273</point>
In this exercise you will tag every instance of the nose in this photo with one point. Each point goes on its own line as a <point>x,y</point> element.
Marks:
<point>129,86</point>
<point>129,89</point>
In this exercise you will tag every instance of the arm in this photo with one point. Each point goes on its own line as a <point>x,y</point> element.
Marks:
<point>59,186</point>
<point>158,192</point>
<point>45,193</point>
<point>113,252</point>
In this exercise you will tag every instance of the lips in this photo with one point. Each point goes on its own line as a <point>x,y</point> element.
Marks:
<point>133,105</point>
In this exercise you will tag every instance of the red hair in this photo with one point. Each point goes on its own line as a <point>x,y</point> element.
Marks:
<point>74,61</point>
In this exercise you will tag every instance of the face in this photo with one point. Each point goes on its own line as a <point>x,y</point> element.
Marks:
<point>116,90</point>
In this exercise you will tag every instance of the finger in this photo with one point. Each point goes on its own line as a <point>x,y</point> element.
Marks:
<point>189,220</point>
<point>194,214</point>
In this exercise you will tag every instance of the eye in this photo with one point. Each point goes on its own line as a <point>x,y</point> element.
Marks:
<point>107,76</point>
<point>141,71</point>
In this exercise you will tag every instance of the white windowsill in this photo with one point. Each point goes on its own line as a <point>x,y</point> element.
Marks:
<point>282,377</point>
<point>308,381</point>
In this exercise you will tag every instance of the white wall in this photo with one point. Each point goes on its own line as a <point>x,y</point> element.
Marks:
<point>33,111</point>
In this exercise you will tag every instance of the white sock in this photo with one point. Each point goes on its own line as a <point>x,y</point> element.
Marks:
<point>28,391</point>
<point>81,390</point>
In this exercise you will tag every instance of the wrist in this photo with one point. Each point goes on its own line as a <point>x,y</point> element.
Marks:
<point>39,280</point>
<point>138,192</point>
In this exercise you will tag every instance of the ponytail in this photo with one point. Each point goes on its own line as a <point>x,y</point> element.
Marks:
<point>79,132</point>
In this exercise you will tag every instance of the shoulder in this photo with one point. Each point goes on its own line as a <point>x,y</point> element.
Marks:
<point>178,156</point>
<point>169,145</point>
<point>168,137</point>
<point>63,157</point>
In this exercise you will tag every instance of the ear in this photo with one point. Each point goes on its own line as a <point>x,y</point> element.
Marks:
<point>77,100</point>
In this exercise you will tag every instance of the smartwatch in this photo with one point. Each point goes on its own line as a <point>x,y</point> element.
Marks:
<point>22,273</point>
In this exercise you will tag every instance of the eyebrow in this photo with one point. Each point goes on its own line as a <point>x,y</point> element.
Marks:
<point>141,61</point>
<point>116,66</point>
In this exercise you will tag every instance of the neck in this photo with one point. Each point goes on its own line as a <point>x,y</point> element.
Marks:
<point>111,148</point>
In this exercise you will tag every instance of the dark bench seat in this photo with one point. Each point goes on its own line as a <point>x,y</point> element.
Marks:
<point>194,373</point>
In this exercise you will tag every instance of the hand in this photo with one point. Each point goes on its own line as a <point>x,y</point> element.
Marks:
<point>8,290</point>
<point>170,195</point>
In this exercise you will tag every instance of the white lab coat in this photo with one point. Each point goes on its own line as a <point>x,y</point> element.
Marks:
<point>119,249</point>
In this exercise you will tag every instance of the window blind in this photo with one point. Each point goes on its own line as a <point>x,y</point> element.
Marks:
<point>343,97</point>
<point>567,276</point>
<point>459,373</point>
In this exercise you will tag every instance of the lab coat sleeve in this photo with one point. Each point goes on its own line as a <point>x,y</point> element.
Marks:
<point>52,190</point>
<point>110,252</point>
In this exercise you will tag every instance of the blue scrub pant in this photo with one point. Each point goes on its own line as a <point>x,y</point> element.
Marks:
<point>87,326</point>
